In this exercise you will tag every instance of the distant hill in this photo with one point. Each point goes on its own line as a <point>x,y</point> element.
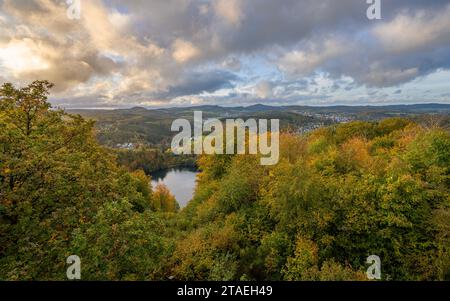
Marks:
<point>413,108</point>
<point>139,125</point>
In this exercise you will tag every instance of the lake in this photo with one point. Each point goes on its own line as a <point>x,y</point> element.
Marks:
<point>180,181</point>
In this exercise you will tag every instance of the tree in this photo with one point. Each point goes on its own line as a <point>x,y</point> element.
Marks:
<point>54,178</point>
<point>163,200</point>
<point>337,195</point>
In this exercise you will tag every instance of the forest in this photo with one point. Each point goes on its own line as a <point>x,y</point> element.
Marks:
<point>338,195</point>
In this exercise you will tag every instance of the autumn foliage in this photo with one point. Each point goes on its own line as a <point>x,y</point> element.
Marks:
<point>337,196</point>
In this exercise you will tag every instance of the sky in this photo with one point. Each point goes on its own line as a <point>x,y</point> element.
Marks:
<point>166,53</point>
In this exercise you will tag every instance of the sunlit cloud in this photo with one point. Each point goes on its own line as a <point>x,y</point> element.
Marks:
<point>22,56</point>
<point>185,52</point>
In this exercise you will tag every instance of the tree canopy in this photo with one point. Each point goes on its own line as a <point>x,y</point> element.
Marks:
<point>338,195</point>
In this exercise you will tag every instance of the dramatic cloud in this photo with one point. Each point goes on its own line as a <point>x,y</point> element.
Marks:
<point>180,52</point>
<point>199,83</point>
<point>420,30</point>
<point>304,62</point>
<point>184,51</point>
<point>230,10</point>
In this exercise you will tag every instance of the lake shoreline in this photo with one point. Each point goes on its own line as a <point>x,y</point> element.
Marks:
<point>180,181</point>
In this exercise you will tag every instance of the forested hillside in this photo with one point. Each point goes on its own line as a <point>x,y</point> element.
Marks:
<point>151,127</point>
<point>338,195</point>
<point>62,194</point>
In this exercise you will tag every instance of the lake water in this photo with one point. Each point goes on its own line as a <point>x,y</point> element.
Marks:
<point>181,183</point>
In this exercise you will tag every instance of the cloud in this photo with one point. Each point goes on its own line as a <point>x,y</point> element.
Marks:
<point>199,82</point>
<point>229,10</point>
<point>184,51</point>
<point>410,32</point>
<point>232,63</point>
<point>161,51</point>
<point>304,62</point>
<point>264,89</point>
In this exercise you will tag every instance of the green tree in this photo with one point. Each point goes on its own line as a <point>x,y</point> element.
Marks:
<point>54,178</point>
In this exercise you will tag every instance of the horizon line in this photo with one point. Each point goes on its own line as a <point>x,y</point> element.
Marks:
<point>253,105</point>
